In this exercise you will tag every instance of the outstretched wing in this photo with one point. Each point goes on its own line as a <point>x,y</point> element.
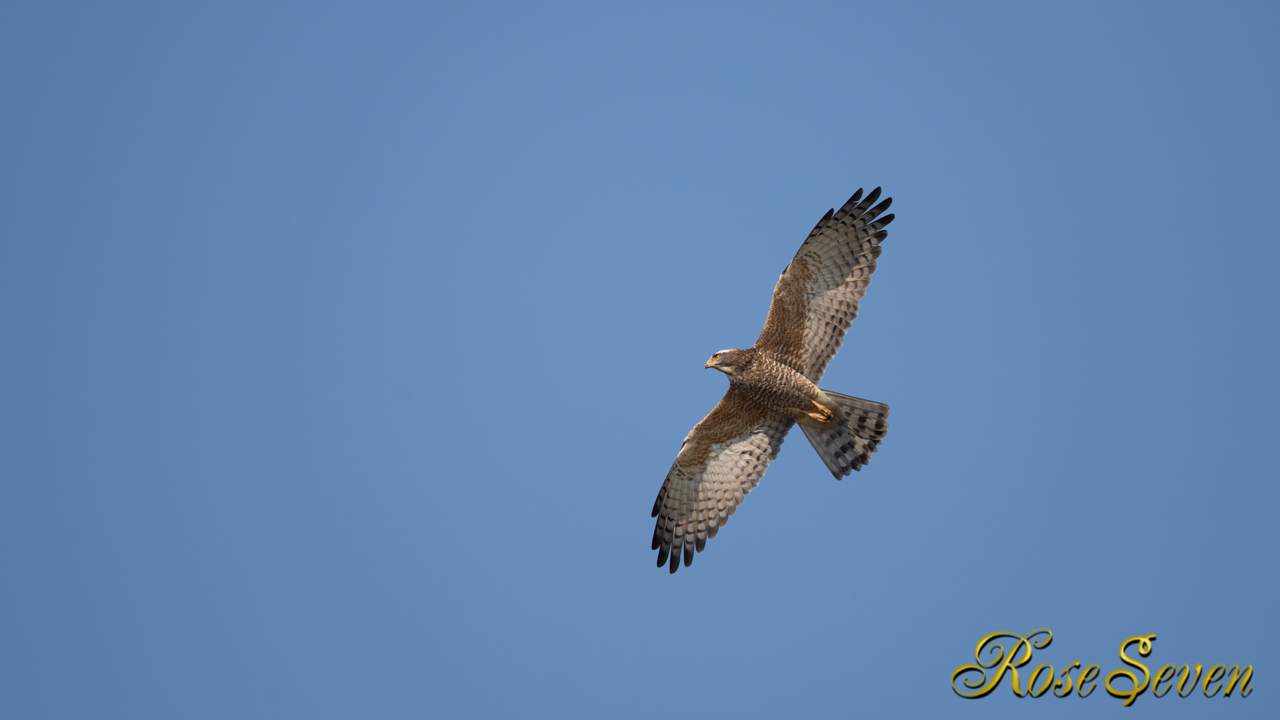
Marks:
<point>816,298</point>
<point>722,460</point>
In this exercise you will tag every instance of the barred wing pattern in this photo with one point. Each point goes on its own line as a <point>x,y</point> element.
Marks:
<point>816,299</point>
<point>721,461</point>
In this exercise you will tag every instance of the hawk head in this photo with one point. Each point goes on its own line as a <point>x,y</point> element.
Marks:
<point>730,362</point>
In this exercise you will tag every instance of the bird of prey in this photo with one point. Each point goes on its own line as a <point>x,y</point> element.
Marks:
<point>774,384</point>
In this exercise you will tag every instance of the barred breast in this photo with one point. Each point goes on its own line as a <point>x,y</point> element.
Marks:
<point>781,389</point>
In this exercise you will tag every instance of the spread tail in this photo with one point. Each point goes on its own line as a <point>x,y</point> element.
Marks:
<point>847,445</point>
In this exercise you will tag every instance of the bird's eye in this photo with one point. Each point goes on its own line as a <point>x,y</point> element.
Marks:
<point>716,356</point>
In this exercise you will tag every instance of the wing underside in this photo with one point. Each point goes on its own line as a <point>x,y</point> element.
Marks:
<point>817,297</point>
<point>721,461</point>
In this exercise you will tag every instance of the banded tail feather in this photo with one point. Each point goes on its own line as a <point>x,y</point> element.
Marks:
<point>847,445</point>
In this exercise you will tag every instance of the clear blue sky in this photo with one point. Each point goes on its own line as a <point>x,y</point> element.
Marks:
<point>345,349</point>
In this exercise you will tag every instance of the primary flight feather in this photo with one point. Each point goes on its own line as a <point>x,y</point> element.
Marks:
<point>774,384</point>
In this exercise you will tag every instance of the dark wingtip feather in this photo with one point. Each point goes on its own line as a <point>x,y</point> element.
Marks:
<point>881,207</point>
<point>819,224</point>
<point>662,555</point>
<point>854,197</point>
<point>872,197</point>
<point>688,554</point>
<point>675,560</point>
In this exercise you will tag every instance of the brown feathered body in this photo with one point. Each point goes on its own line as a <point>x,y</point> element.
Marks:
<point>776,387</point>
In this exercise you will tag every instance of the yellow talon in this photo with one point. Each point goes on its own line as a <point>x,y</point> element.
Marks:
<point>823,417</point>
<point>824,414</point>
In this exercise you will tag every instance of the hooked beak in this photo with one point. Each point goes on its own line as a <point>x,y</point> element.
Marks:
<point>708,365</point>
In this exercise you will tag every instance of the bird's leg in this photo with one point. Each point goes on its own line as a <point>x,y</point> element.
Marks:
<point>823,415</point>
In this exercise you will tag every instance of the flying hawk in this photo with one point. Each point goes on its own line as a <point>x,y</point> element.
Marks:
<point>774,384</point>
